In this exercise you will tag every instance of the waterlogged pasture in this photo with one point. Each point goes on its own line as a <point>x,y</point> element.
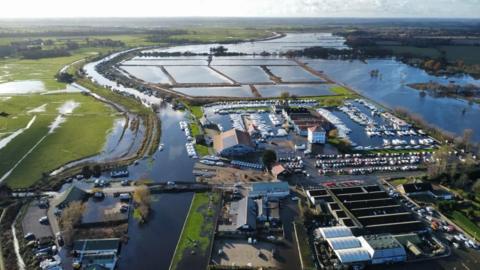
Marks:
<point>53,138</point>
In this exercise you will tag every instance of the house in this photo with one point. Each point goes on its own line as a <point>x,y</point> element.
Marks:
<point>72,194</point>
<point>233,142</point>
<point>278,170</point>
<point>302,118</point>
<point>316,134</point>
<point>269,189</point>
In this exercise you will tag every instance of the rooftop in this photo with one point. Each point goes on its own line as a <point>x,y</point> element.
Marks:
<point>335,232</point>
<point>270,186</point>
<point>72,194</point>
<point>382,241</point>
<point>96,244</point>
<point>231,138</point>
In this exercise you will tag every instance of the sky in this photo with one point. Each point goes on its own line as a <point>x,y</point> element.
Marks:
<point>240,8</point>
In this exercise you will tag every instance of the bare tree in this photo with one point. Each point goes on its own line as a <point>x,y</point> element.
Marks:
<point>71,217</point>
<point>142,199</point>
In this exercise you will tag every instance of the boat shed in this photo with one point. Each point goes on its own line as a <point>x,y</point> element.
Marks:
<point>270,189</point>
<point>352,255</point>
<point>233,142</point>
<point>344,242</point>
<point>335,232</point>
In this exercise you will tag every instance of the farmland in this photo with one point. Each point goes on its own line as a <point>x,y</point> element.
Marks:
<point>91,118</point>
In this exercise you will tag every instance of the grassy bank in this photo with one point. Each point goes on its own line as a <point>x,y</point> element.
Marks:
<point>197,233</point>
<point>303,245</point>
<point>466,224</point>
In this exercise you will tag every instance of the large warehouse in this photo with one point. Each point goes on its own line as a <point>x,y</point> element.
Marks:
<point>367,249</point>
<point>368,209</point>
<point>383,248</point>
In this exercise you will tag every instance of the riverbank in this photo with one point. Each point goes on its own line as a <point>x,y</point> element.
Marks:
<point>197,233</point>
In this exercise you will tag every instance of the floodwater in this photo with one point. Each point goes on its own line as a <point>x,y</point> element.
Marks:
<point>293,74</point>
<point>293,41</point>
<point>166,61</point>
<point>251,61</point>
<point>147,73</point>
<point>21,87</point>
<point>391,90</point>
<point>295,89</point>
<point>240,91</point>
<point>245,74</point>
<point>195,74</point>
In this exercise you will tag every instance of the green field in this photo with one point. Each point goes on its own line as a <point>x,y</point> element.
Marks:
<point>461,220</point>
<point>198,230</point>
<point>92,120</point>
<point>469,54</point>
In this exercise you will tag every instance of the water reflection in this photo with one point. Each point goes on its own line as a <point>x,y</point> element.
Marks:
<point>391,90</point>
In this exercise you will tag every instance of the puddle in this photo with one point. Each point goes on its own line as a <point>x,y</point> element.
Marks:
<point>39,109</point>
<point>8,139</point>
<point>21,87</point>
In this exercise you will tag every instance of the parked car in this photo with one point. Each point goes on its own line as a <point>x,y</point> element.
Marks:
<point>43,220</point>
<point>29,236</point>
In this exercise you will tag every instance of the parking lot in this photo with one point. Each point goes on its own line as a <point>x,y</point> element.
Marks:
<point>239,252</point>
<point>30,223</point>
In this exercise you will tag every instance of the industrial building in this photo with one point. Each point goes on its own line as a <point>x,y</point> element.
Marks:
<point>242,216</point>
<point>383,248</point>
<point>367,209</point>
<point>359,251</point>
<point>422,188</point>
<point>269,189</point>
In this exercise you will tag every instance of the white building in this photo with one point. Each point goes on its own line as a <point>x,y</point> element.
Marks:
<point>383,248</point>
<point>316,134</point>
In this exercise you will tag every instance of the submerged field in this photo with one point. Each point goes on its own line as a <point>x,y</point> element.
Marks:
<point>41,148</point>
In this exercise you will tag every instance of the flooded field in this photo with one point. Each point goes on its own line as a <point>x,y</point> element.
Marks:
<point>21,87</point>
<point>147,73</point>
<point>167,61</point>
<point>292,41</point>
<point>251,61</point>
<point>293,74</point>
<point>245,74</point>
<point>240,91</point>
<point>195,74</point>
<point>296,89</point>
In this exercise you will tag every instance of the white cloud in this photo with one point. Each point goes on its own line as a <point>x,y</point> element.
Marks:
<point>225,8</point>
